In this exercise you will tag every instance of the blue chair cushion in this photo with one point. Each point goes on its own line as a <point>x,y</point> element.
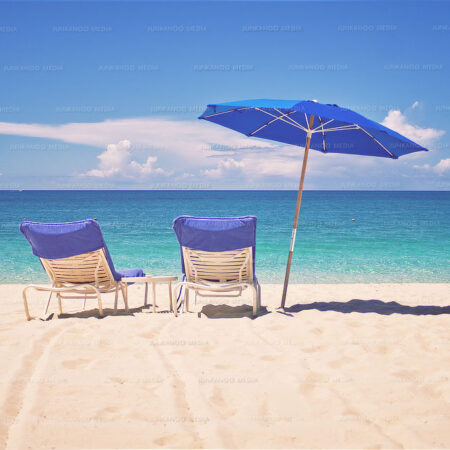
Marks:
<point>130,273</point>
<point>63,240</point>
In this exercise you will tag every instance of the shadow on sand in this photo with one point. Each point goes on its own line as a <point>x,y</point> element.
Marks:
<point>370,306</point>
<point>234,312</point>
<point>210,311</point>
<point>231,312</point>
<point>88,313</point>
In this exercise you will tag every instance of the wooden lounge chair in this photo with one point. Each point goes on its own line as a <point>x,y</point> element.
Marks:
<point>214,261</point>
<point>77,261</point>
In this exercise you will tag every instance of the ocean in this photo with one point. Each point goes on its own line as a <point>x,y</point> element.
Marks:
<point>396,237</point>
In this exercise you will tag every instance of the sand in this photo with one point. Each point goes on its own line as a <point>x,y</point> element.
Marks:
<point>344,368</point>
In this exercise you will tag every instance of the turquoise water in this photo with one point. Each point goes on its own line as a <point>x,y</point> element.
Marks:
<point>396,237</point>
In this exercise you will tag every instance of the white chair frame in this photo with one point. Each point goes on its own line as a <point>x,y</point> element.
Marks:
<point>87,276</point>
<point>212,274</point>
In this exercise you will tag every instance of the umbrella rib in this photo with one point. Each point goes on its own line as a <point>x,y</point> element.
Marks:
<point>283,119</point>
<point>292,120</point>
<point>378,142</point>
<point>322,125</point>
<point>270,122</point>
<point>342,128</point>
<point>323,135</point>
<point>226,112</point>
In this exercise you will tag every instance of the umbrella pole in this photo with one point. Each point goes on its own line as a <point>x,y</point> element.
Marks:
<point>297,212</point>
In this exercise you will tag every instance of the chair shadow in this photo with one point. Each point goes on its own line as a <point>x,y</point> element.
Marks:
<point>88,313</point>
<point>371,306</point>
<point>231,312</point>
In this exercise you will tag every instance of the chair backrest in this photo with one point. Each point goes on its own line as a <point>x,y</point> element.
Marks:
<point>234,266</point>
<point>217,249</point>
<point>89,268</point>
<point>71,252</point>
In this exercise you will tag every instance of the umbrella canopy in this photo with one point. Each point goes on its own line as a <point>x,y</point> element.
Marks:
<point>324,127</point>
<point>334,129</point>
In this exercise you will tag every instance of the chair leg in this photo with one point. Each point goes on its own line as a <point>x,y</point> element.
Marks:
<point>100,306</point>
<point>174,305</point>
<point>124,288</point>
<point>259,295</point>
<point>255,300</point>
<point>186,299</point>
<point>154,296</point>
<point>58,295</point>
<point>170,296</point>
<point>116,298</point>
<point>25,304</point>
<point>84,303</point>
<point>146,295</point>
<point>48,303</point>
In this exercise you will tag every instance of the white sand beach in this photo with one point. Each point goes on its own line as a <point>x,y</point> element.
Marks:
<point>323,375</point>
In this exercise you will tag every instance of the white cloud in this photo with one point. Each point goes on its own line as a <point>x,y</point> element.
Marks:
<point>442,166</point>
<point>285,162</point>
<point>273,165</point>
<point>228,165</point>
<point>398,122</point>
<point>183,146</point>
<point>424,166</point>
<point>193,150</point>
<point>192,140</point>
<point>415,105</point>
<point>186,175</point>
<point>116,161</point>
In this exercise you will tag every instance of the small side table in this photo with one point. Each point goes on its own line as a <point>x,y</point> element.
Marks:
<point>153,280</point>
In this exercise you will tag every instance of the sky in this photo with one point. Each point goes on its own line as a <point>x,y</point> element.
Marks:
<point>106,95</point>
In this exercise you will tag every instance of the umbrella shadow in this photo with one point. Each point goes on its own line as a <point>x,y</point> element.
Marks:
<point>370,306</point>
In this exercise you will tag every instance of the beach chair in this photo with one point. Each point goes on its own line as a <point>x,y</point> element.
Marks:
<point>217,258</point>
<point>77,261</point>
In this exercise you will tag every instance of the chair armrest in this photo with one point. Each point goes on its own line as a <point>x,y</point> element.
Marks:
<point>145,279</point>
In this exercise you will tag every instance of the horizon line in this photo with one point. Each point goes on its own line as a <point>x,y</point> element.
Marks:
<point>224,190</point>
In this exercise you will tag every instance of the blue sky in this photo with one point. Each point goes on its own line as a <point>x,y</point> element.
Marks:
<point>106,94</point>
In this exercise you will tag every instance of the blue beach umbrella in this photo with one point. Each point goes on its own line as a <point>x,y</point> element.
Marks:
<point>309,124</point>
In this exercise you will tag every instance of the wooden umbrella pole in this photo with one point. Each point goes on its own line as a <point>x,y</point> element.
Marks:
<point>297,211</point>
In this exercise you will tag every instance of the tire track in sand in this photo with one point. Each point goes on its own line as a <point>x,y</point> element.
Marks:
<point>21,385</point>
<point>180,398</point>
